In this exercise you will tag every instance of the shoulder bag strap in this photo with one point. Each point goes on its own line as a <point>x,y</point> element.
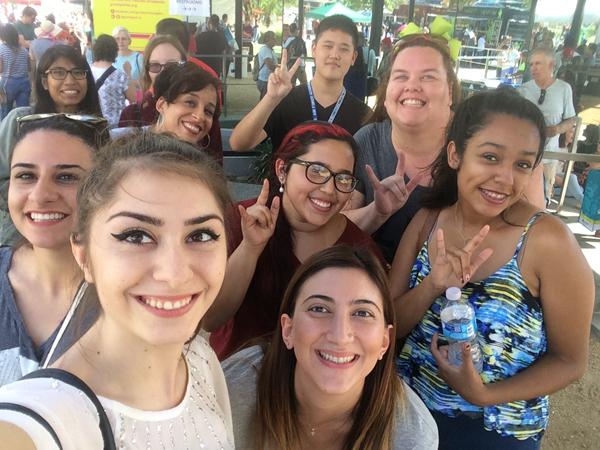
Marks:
<point>78,383</point>
<point>100,81</point>
<point>35,416</point>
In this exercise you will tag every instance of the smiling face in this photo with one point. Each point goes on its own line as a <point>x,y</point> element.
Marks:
<point>338,332</point>
<point>497,164</point>
<point>334,53</point>
<point>157,256</point>
<point>67,94</point>
<point>190,116</point>
<point>43,186</point>
<point>306,203</point>
<point>163,54</point>
<point>418,92</point>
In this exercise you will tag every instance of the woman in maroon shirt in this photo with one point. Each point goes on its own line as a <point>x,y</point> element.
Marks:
<point>160,51</point>
<point>311,182</point>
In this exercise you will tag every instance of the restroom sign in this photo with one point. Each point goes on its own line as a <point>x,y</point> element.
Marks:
<point>190,8</point>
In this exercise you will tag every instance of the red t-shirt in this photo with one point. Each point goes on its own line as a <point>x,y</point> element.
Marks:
<point>259,311</point>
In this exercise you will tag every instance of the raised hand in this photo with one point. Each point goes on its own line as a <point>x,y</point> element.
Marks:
<point>391,193</point>
<point>464,379</point>
<point>280,80</point>
<point>258,221</point>
<point>454,267</point>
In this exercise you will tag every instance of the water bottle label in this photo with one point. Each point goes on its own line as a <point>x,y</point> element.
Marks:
<point>459,330</point>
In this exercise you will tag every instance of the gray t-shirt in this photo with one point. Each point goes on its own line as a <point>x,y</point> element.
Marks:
<point>415,428</point>
<point>556,107</point>
<point>376,149</point>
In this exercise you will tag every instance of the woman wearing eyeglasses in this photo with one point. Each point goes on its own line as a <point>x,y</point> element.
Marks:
<point>296,215</point>
<point>63,83</point>
<point>159,51</point>
<point>39,278</point>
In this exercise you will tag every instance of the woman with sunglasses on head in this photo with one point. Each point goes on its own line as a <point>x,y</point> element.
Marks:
<point>327,380</point>
<point>40,277</point>
<point>404,136</point>
<point>311,181</point>
<point>151,239</point>
<point>522,271</point>
<point>63,83</point>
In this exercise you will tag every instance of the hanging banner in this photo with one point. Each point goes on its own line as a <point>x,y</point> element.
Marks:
<point>190,7</point>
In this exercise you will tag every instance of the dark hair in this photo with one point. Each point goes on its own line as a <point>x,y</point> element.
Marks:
<point>10,36</point>
<point>175,28</point>
<point>150,46</point>
<point>471,116</point>
<point>43,102</point>
<point>373,416</point>
<point>177,79</point>
<point>379,113</point>
<point>341,23</point>
<point>105,48</point>
<point>280,247</point>
<point>214,21</point>
<point>28,11</point>
<point>145,151</point>
<point>293,27</point>
<point>91,136</point>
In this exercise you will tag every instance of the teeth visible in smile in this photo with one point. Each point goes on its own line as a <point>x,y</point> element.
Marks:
<point>156,302</point>
<point>321,203</point>
<point>494,195</point>
<point>335,359</point>
<point>413,102</point>
<point>190,127</point>
<point>41,217</point>
<point>70,92</point>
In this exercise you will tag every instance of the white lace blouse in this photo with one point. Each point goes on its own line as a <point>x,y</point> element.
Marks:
<point>201,421</point>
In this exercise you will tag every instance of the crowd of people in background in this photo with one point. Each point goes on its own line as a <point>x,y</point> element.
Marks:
<point>142,307</point>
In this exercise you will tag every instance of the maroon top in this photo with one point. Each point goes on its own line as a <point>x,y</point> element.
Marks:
<point>144,114</point>
<point>259,312</point>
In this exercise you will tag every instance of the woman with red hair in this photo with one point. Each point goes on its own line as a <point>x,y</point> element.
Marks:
<point>296,215</point>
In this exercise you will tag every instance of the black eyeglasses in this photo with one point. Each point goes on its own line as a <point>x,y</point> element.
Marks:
<point>98,124</point>
<point>317,173</point>
<point>60,73</point>
<point>158,67</point>
<point>542,96</point>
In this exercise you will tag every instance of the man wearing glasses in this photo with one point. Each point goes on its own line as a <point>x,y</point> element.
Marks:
<point>554,98</point>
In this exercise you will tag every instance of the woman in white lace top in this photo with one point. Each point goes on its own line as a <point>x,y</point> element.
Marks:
<point>151,239</point>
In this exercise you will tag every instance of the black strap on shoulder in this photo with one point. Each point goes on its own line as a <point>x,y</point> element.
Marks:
<point>78,383</point>
<point>100,81</point>
<point>35,416</point>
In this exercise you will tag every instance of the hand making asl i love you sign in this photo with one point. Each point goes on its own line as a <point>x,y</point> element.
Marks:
<point>280,81</point>
<point>391,193</point>
<point>259,220</point>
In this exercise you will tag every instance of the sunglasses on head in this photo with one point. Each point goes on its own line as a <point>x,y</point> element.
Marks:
<point>98,124</point>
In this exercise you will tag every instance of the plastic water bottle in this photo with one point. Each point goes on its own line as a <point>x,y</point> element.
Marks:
<point>459,327</point>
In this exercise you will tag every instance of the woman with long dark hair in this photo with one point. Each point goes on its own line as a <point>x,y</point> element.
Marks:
<point>296,214</point>
<point>327,379</point>
<point>63,83</point>
<point>14,67</point>
<point>522,271</point>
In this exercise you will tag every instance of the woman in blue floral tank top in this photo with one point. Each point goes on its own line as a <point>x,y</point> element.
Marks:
<point>521,269</point>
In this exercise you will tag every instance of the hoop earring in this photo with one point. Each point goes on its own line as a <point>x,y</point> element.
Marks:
<point>203,146</point>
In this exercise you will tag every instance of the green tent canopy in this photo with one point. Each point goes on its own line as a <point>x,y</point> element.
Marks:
<point>337,8</point>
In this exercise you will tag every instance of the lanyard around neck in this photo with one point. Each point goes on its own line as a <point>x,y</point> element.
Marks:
<point>313,106</point>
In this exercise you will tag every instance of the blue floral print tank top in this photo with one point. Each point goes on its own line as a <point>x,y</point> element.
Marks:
<point>512,336</point>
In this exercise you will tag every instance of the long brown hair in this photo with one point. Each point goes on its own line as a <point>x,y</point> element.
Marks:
<point>152,44</point>
<point>379,113</point>
<point>277,407</point>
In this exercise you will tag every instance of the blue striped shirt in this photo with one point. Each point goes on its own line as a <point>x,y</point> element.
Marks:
<point>14,62</point>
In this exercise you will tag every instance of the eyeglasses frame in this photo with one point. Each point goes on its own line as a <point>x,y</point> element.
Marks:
<point>332,174</point>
